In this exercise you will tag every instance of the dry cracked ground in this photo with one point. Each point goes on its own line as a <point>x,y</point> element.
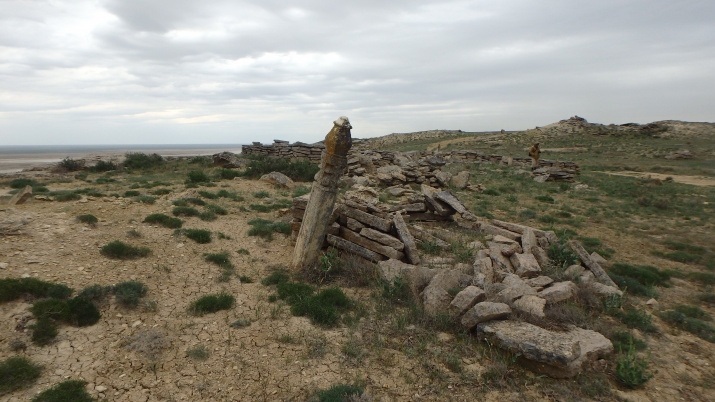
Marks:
<point>277,356</point>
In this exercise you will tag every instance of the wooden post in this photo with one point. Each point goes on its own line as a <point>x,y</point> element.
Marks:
<point>323,194</point>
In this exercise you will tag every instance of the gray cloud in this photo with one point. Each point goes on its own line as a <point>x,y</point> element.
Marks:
<point>182,71</point>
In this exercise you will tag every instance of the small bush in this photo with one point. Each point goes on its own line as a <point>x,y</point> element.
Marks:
<point>490,191</point>
<point>163,220</point>
<point>220,259</point>
<point>245,279</point>
<point>16,373</point>
<point>131,193</point>
<point>22,183</point>
<point>396,291</point>
<point>337,393</point>
<point>545,198</point>
<point>145,199</point>
<point>240,323</point>
<point>196,201</point>
<point>702,277</point>
<point>180,203</point>
<point>95,292</point>
<point>561,255</point>
<point>301,170</point>
<point>43,331</point>
<point>211,304</point>
<point>293,292</point>
<point>161,191</point>
<point>637,318</point>
<point>128,293</point>
<point>103,166</point>
<point>695,326</point>
<point>11,289</point>
<point>70,165</point>
<point>623,339</point>
<point>138,160</point>
<point>261,208</point>
<point>278,276</point>
<point>70,390</point>
<point>89,219</point>
<point>197,176</point>
<point>227,174</point>
<point>645,274</point>
<point>185,211</point>
<point>632,285</point>
<point>692,312</point>
<point>631,370</point>
<point>122,251</point>
<point>208,194</point>
<point>198,353</point>
<point>243,251</point>
<point>261,194</point>
<point>207,216</point>
<point>265,228</point>
<point>218,210</point>
<point>64,196</point>
<point>198,235</point>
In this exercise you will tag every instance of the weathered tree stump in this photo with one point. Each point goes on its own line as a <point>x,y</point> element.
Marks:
<point>323,195</point>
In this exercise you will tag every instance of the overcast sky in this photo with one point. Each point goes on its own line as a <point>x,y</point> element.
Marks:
<point>231,71</point>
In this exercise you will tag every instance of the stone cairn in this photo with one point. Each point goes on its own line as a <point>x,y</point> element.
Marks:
<point>390,167</point>
<point>504,282</point>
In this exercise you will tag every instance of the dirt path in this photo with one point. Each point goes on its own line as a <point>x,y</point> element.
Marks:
<point>702,181</point>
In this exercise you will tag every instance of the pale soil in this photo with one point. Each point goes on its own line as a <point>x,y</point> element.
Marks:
<point>704,181</point>
<point>248,363</point>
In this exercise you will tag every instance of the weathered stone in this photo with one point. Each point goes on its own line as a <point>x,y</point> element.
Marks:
<point>443,178</point>
<point>354,225</point>
<point>525,265</point>
<point>435,300</point>
<point>351,247</point>
<point>502,265</point>
<point>415,207</point>
<point>504,240</point>
<point>528,240</point>
<point>514,288</point>
<point>21,196</point>
<point>557,354</point>
<point>483,312</point>
<point>466,299</point>
<point>600,274</point>
<point>574,271</point>
<point>278,179</point>
<point>539,282</point>
<point>391,269</point>
<point>530,304</point>
<point>426,237</point>
<point>406,237</point>
<point>599,260</point>
<point>450,279</point>
<point>485,267</point>
<point>461,180</point>
<point>493,230</point>
<point>604,290</point>
<point>371,220</point>
<point>542,257</point>
<point>371,245</point>
<point>301,202</point>
<point>558,292</point>
<point>396,191</point>
<point>516,228</point>
<point>382,238</point>
<point>229,160</point>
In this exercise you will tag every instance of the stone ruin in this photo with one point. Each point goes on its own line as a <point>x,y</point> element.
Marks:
<point>391,168</point>
<point>504,281</point>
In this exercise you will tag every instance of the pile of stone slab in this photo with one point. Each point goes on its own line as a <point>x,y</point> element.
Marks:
<point>392,168</point>
<point>364,226</point>
<point>504,284</point>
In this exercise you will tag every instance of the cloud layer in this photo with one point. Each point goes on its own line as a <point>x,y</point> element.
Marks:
<point>181,71</point>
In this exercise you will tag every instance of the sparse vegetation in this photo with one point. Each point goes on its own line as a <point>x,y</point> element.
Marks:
<point>122,251</point>
<point>164,220</point>
<point>200,236</point>
<point>70,390</point>
<point>198,353</point>
<point>211,304</point>
<point>89,219</point>
<point>16,373</point>
<point>128,293</point>
<point>265,228</point>
<point>632,370</point>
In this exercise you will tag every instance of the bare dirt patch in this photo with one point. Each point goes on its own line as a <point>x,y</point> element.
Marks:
<point>693,180</point>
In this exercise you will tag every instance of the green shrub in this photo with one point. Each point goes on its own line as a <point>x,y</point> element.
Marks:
<point>164,220</point>
<point>70,165</point>
<point>218,210</point>
<point>265,228</point>
<point>83,312</point>
<point>11,289</point>
<point>293,292</point>
<point>180,203</point>
<point>319,313</point>
<point>261,194</point>
<point>145,199</point>
<point>632,285</point>
<point>44,330</point>
<point>196,201</point>
<point>16,373</point>
<point>208,194</point>
<point>695,326</point>
<point>702,277</point>
<point>198,235</point>
<point>207,216</point>
<point>631,370</point>
<point>490,191</point>
<point>88,219</point>
<point>527,214</point>
<point>200,160</point>
<point>122,251</point>
<point>692,312</point>
<point>22,183</point>
<point>245,279</point>
<point>185,211</point>
<point>645,274</point>
<point>278,276</point>
<point>131,193</point>
<point>623,339</point>
<point>103,166</point>
<point>64,196</point>
<point>55,309</point>
<point>197,176</point>
<point>222,235</point>
<point>637,318</point>
<point>211,304</point>
<point>161,191</point>
<point>95,292</point>
<point>301,170</point>
<point>261,208</point>
<point>227,174</point>
<point>138,160</point>
<point>70,390</point>
<point>337,393</point>
<point>561,255</point>
<point>128,293</point>
<point>198,353</point>
<point>544,198</point>
<point>220,259</point>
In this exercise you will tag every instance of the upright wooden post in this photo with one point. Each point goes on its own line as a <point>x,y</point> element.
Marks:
<point>323,195</point>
